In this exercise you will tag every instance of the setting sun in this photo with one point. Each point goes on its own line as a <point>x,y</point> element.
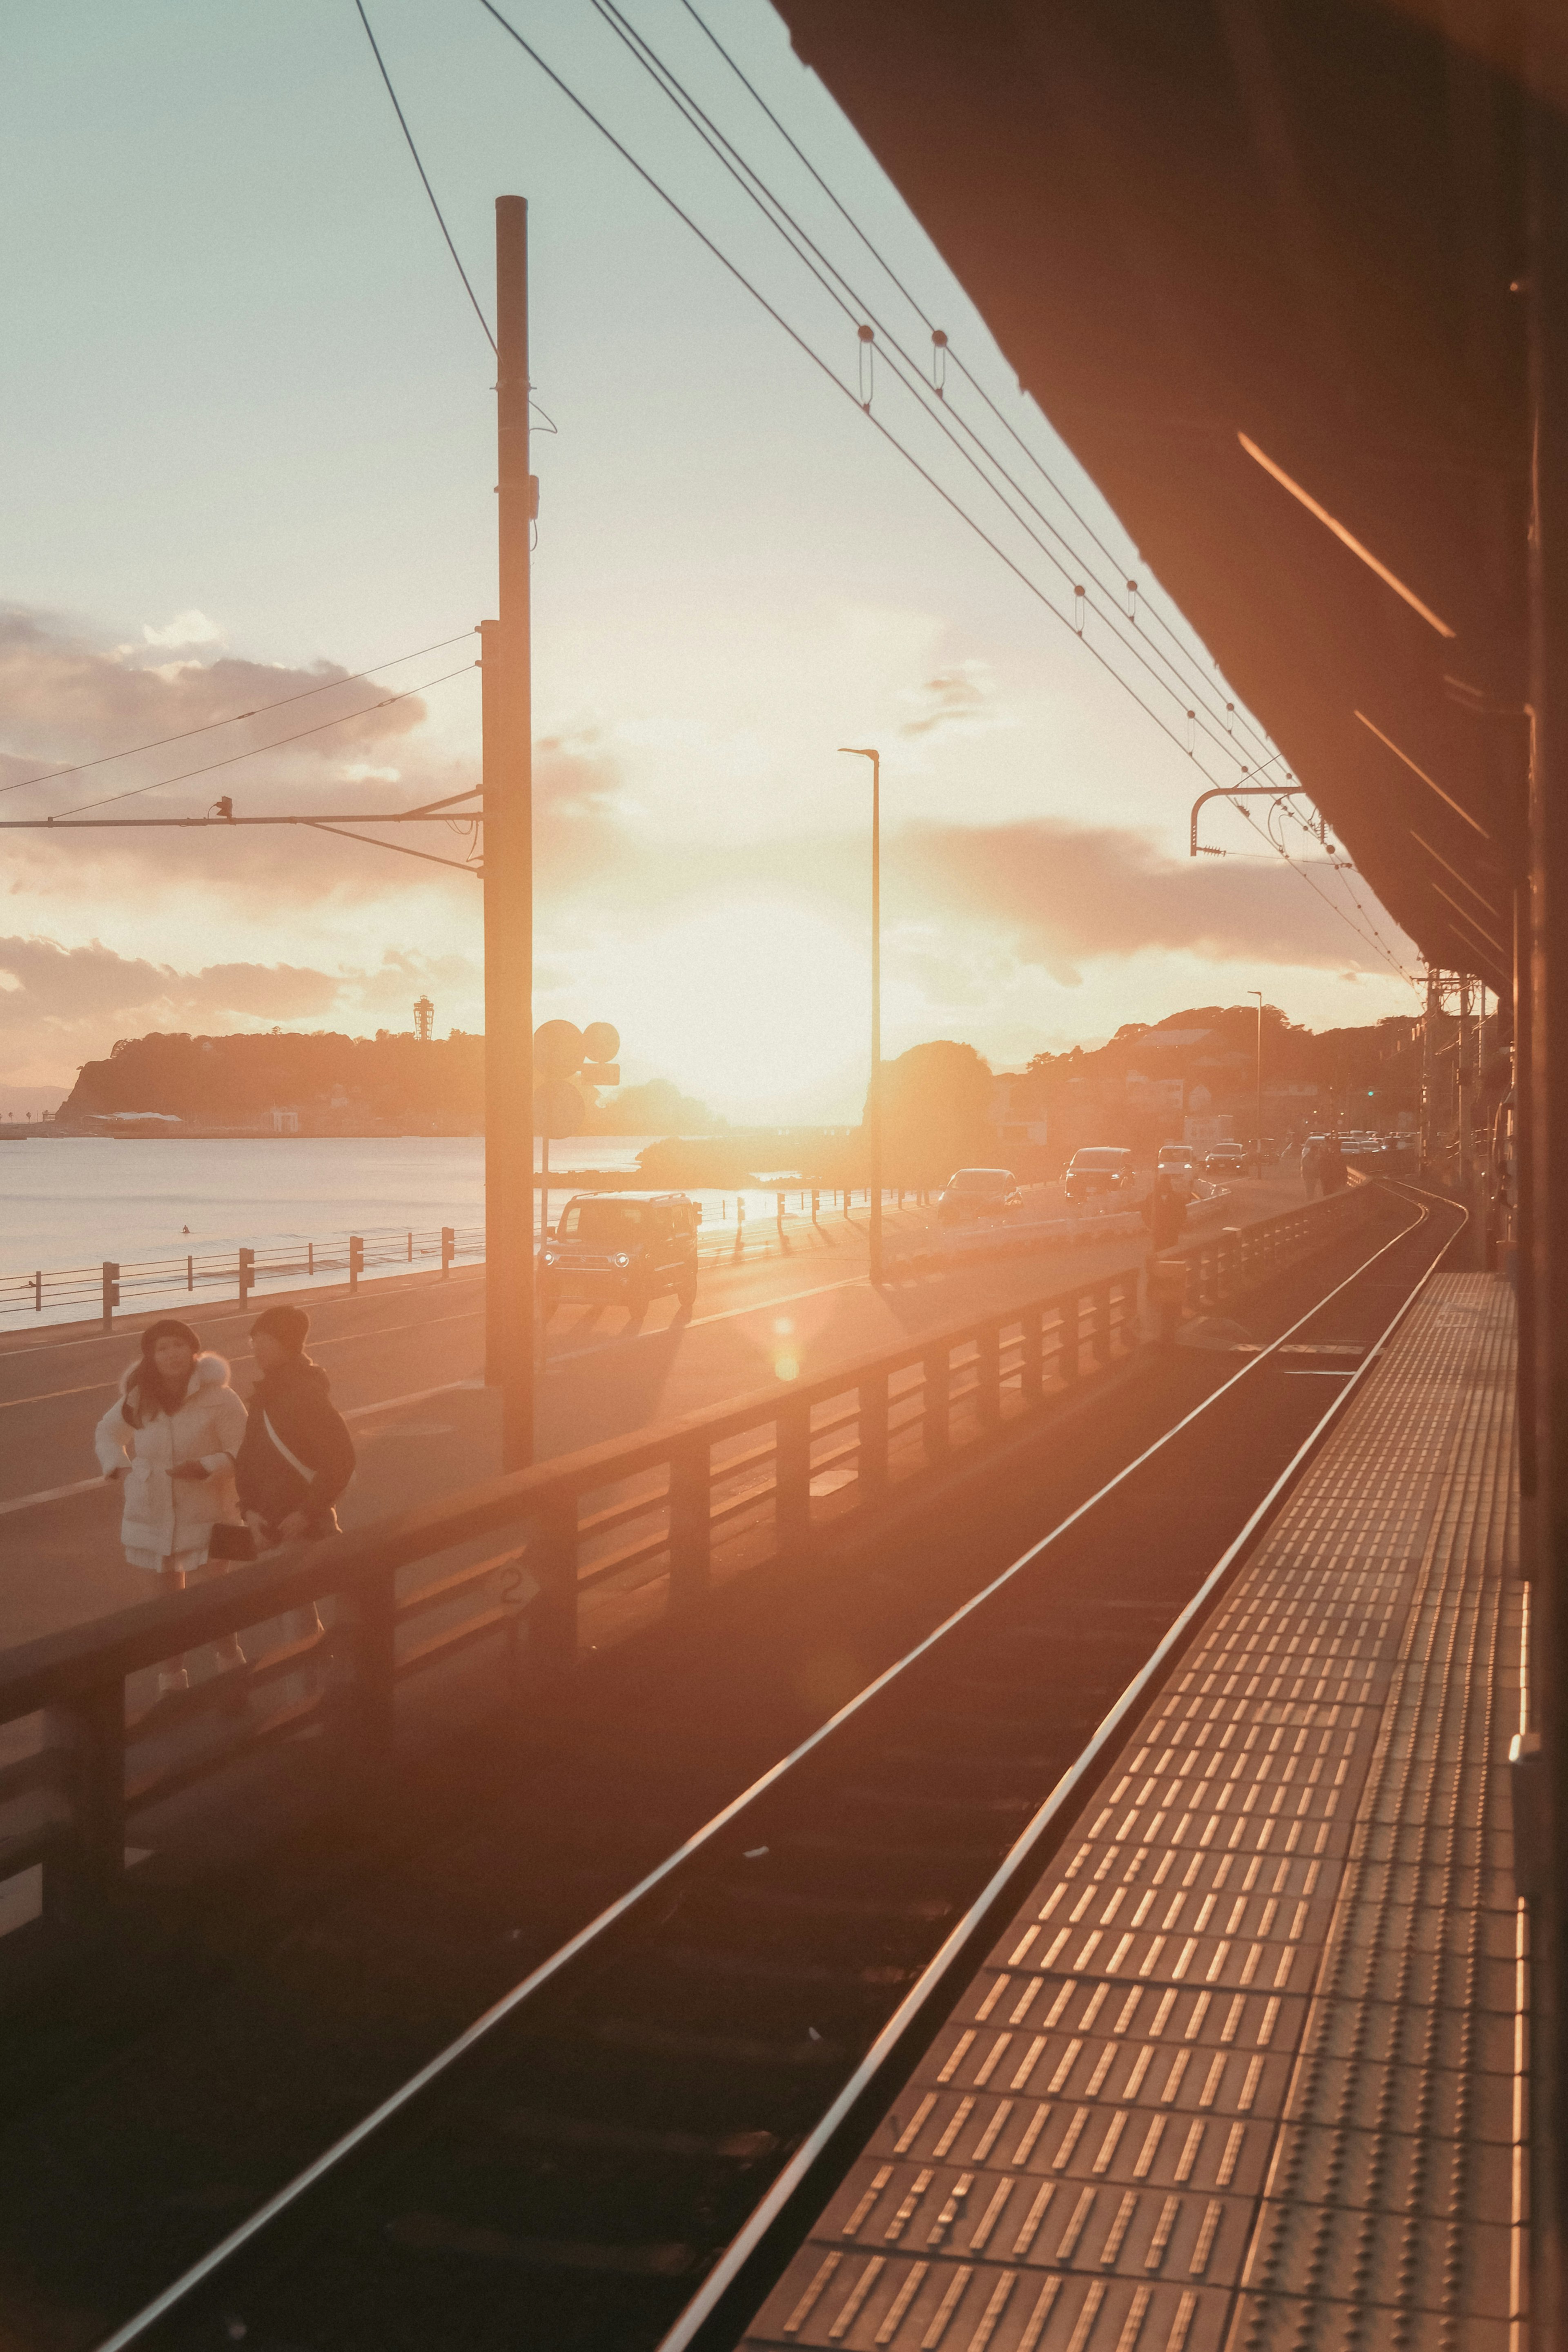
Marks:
<point>759,1004</point>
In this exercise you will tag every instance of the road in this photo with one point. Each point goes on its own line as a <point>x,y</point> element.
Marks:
<point>405,1360</point>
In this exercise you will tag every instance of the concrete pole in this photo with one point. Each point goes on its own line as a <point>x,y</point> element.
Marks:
<point>1429,1070</point>
<point>873,1099</point>
<point>1546,451</point>
<point>510,873</point>
<point>876,1019</point>
<point>1466,1091</point>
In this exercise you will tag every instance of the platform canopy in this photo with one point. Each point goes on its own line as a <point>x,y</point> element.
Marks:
<point>1301,225</point>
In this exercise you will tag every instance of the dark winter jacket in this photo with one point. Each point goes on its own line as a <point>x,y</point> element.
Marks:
<point>305,1423</point>
<point>1165,1213</point>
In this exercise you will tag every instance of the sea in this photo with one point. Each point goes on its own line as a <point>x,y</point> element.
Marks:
<point>72,1202</point>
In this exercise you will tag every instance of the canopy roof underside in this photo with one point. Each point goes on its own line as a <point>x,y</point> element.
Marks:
<point>1302,222</point>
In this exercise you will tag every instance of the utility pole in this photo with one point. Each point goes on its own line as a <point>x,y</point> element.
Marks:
<point>874,1104</point>
<point>1429,1069</point>
<point>1257,1129</point>
<point>509,872</point>
<point>1466,1093</point>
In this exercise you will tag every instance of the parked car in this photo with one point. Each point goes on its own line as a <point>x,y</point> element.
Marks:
<point>1223,1159</point>
<point>622,1249</point>
<point>979,1192</point>
<point>1179,1162</point>
<point>1099,1168</point>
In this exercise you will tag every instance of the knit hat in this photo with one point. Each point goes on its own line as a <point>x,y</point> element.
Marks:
<point>290,1326</point>
<point>169,1328</point>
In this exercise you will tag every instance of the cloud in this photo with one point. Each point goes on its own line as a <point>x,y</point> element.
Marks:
<point>63,985</point>
<point>959,695</point>
<point>68,704</point>
<point>1067,894</point>
<point>61,1005</point>
<point>192,628</point>
<point>67,701</point>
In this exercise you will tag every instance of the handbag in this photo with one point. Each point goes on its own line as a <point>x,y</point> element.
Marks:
<point>230,1539</point>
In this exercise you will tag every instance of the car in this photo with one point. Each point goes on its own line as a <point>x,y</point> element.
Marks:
<point>1099,1168</point>
<point>1223,1159</point>
<point>620,1249</point>
<point>979,1192</point>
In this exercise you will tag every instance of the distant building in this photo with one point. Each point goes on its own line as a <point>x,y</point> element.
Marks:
<point>284,1122</point>
<point>1017,1114</point>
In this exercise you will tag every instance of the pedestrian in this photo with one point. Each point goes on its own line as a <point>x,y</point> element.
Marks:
<point>174,1434</point>
<point>298,1455</point>
<point>1335,1174</point>
<point>1164,1213</point>
<point>1312,1166</point>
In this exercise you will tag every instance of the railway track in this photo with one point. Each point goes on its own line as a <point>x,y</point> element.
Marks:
<point>571,2171</point>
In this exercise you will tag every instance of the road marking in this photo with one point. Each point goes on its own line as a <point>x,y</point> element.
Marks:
<point>382,1283</point>
<point>378,1331</point>
<point>350,1412</point>
<point>50,1495</point>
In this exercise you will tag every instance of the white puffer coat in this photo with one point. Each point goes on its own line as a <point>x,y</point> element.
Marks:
<point>162,1514</point>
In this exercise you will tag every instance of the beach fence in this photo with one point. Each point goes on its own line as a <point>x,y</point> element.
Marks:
<point>77,1293</point>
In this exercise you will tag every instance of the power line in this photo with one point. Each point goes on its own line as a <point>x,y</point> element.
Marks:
<point>51,775</point>
<point>1375,939</point>
<point>256,748</point>
<point>818,362</point>
<point>1203,684</point>
<point>424,176</point>
<point>881,263</point>
<point>779,217</point>
<point>671,85</point>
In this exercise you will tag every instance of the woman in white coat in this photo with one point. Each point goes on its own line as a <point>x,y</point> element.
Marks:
<point>173,1435</point>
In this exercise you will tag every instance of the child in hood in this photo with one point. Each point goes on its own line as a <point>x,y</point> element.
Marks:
<point>297,1456</point>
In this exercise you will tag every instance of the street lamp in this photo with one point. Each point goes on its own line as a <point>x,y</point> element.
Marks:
<point>1259,1130</point>
<point>874,1107</point>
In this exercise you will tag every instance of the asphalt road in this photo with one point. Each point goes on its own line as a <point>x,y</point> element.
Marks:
<point>405,1358</point>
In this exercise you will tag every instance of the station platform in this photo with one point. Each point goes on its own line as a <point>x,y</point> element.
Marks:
<point>1248,2068</point>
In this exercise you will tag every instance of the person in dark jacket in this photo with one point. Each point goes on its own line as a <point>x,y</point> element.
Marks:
<point>1164,1213</point>
<point>296,1455</point>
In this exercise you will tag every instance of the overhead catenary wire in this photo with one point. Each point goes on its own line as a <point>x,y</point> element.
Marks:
<point>1203,686</point>
<point>548,422</point>
<point>424,174</point>
<point>823,367</point>
<point>183,735</point>
<point>256,751</point>
<point>779,217</point>
<point>607,9</point>
<point>857,310</point>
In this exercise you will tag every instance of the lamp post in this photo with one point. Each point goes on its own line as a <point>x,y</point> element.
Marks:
<point>874,1107</point>
<point>1258,994</point>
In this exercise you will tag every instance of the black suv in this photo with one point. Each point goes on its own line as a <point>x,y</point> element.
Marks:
<point>622,1248</point>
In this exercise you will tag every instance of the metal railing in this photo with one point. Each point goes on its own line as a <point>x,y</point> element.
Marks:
<point>628,1530</point>
<point>285,1263</point>
<point>123,1285</point>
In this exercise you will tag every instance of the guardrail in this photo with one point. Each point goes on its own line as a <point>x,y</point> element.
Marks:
<point>111,1285</point>
<point>114,1286</point>
<point>635,1529</point>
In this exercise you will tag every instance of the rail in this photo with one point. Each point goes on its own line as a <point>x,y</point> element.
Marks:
<point>645,1527</point>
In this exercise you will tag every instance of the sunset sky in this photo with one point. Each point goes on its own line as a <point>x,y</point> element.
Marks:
<point>250,432</point>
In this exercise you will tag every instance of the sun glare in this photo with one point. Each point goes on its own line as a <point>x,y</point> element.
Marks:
<point>755,1006</point>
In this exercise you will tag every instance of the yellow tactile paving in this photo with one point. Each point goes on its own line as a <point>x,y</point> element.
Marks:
<point>1240,2072</point>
